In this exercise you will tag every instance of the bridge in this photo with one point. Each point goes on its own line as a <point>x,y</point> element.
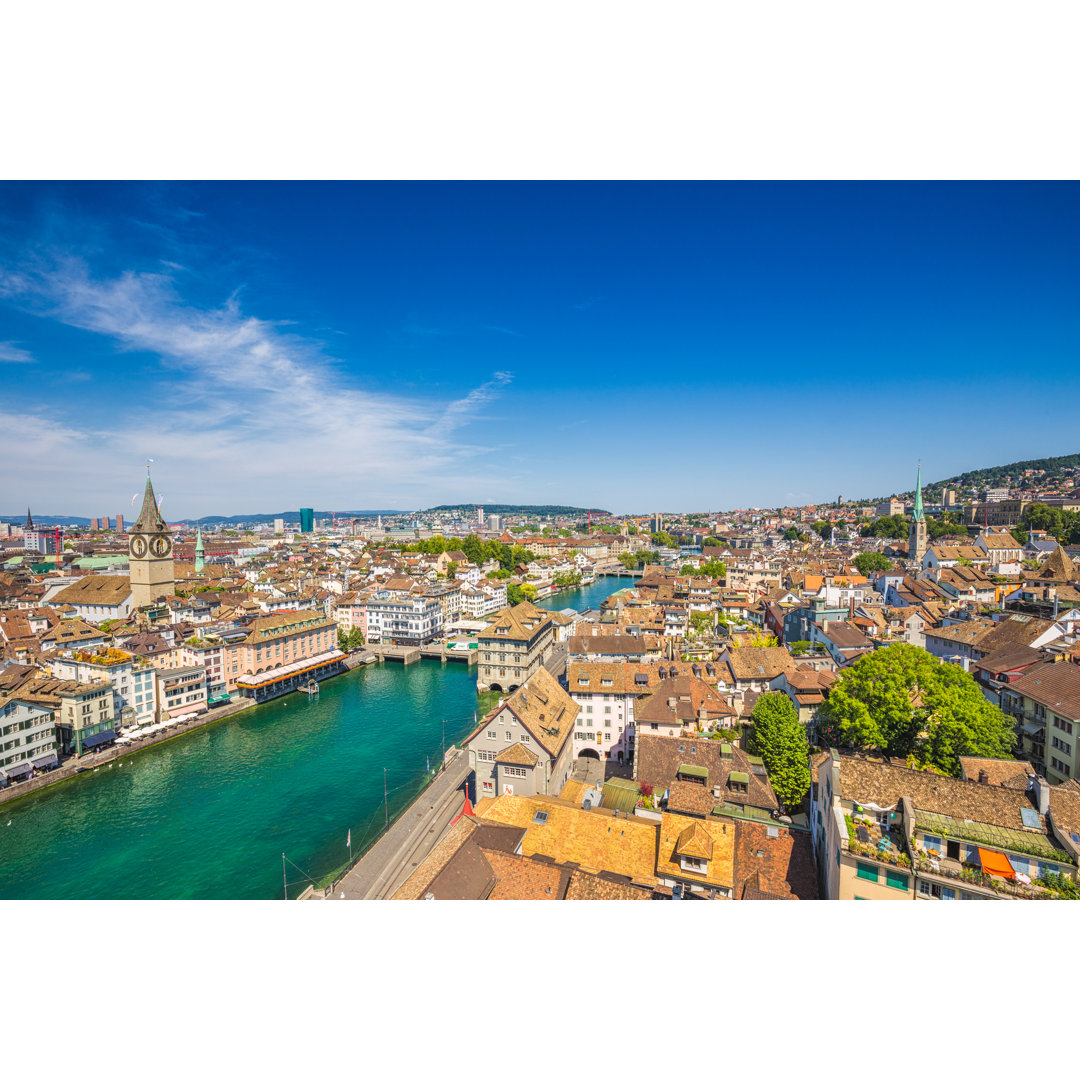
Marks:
<point>410,654</point>
<point>620,572</point>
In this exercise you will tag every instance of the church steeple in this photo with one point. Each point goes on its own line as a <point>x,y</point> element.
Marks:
<point>149,519</point>
<point>200,551</point>
<point>29,527</point>
<point>917,532</point>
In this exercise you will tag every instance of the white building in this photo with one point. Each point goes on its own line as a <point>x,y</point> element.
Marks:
<point>394,619</point>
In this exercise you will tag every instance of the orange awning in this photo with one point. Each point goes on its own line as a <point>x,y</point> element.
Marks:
<point>993,862</point>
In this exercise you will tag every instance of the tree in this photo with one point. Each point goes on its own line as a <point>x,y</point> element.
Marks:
<point>472,548</point>
<point>893,527</point>
<point>780,740</point>
<point>451,570</point>
<point>701,622</point>
<point>792,534</point>
<point>712,568</point>
<point>688,570</point>
<point>799,648</point>
<point>902,701</point>
<point>629,559</point>
<point>869,561</point>
<point>760,640</point>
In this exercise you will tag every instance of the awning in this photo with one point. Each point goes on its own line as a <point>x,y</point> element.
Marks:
<point>99,738</point>
<point>993,862</point>
<point>17,770</point>
<point>44,759</point>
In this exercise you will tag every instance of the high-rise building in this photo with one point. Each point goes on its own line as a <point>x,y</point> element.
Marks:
<point>119,523</point>
<point>279,525</point>
<point>150,563</point>
<point>948,497</point>
<point>480,516</point>
<point>656,523</point>
<point>105,523</point>
<point>495,522</point>
<point>95,524</point>
<point>307,519</point>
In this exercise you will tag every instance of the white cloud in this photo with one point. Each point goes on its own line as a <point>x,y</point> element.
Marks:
<point>242,415</point>
<point>10,353</point>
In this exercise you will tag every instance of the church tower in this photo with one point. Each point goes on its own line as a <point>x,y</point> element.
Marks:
<point>917,533</point>
<point>150,547</point>
<point>200,551</point>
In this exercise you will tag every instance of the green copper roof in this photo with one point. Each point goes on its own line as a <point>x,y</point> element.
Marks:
<point>198,542</point>
<point>918,515</point>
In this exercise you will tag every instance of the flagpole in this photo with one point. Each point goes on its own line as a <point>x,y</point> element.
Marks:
<point>284,877</point>
<point>386,804</point>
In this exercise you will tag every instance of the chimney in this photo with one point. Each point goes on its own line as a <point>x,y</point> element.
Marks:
<point>1042,794</point>
<point>984,777</point>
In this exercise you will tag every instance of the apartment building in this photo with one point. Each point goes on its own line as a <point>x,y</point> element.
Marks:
<point>27,738</point>
<point>131,677</point>
<point>397,619</point>
<point>887,832</point>
<point>1045,701</point>
<point>84,713</point>
<point>524,747</point>
<point>514,647</point>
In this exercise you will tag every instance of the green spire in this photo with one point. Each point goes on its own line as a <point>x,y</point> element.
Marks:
<point>918,515</point>
<point>199,549</point>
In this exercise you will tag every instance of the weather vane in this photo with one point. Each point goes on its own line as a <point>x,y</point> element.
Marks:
<point>149,462</point>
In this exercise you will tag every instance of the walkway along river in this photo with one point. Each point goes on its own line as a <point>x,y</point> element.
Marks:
<point>208,815</point>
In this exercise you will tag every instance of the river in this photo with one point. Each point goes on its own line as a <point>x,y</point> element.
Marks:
<point>208,815</point>
<point>586,596</point>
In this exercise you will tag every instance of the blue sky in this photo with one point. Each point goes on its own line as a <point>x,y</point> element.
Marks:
<point>632,346</point>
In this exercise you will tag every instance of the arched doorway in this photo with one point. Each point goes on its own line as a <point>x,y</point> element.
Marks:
<point>589,754</point>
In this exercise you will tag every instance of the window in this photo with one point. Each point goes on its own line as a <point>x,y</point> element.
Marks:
<point>509,736</point>
<point>896,880</point>
<point>924,888</point>
<point>525,738</point>
<point>491,734</point>
<point>868,872</point>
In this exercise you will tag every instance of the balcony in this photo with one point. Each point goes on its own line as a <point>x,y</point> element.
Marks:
<point>867,839</point>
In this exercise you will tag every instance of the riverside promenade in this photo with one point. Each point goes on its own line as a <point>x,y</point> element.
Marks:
<point>379,874</point>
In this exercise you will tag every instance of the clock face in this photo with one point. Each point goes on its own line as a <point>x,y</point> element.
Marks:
<point>138,546</point>
<point>160,546</point>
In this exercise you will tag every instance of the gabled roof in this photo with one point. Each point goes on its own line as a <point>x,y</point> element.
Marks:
<point>517,754</point>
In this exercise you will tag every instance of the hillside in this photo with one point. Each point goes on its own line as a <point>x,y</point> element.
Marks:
<point>997,476</point>
<point>510,508</point>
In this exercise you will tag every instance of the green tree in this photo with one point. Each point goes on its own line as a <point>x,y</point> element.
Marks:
<point>799,648</point>
<point>713,568</point>
<point>629,559</point>
<point>894,527</point>
<point>792,534</point>
<point>472,548</point>
<point>780,740</point>
<point>869,561</point>
<point>701,622</point>
<point>451,570</point>
<point>904,702</point>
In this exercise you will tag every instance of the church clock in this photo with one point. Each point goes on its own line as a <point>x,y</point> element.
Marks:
<point>138,546</point>
<point>160,546</point>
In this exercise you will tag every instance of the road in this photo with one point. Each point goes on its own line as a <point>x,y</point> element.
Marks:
<point>389,863</point>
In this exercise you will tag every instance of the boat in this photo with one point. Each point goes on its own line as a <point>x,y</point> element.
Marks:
<point>311,689</point>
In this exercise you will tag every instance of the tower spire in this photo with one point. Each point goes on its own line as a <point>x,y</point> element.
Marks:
<point>29,521</point>
<point>918,513</point>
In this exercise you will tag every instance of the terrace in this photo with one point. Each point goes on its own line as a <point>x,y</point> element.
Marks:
<point>873,838</point>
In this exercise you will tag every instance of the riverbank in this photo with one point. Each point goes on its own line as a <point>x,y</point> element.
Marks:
<point>208,816</point>
<point>90,762</point>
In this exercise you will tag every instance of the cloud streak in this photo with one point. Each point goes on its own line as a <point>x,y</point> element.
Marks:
<point>237,409</point>
<point>10,353</point>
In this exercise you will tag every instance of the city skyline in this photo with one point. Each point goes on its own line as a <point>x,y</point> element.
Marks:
<point>416,344</point>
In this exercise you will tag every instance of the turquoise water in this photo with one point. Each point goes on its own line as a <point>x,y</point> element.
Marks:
<point>208,815</point>
<point>588,596</point>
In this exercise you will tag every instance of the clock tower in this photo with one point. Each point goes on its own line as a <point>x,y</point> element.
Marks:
<point>150,565</point>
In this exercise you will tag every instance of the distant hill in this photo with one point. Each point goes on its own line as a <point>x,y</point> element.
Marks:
<point>288,516</point>
<point>510,508</point>
<point>995,475</point>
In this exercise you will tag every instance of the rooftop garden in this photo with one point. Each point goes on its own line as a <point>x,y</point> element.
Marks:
<point>892,855</point>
